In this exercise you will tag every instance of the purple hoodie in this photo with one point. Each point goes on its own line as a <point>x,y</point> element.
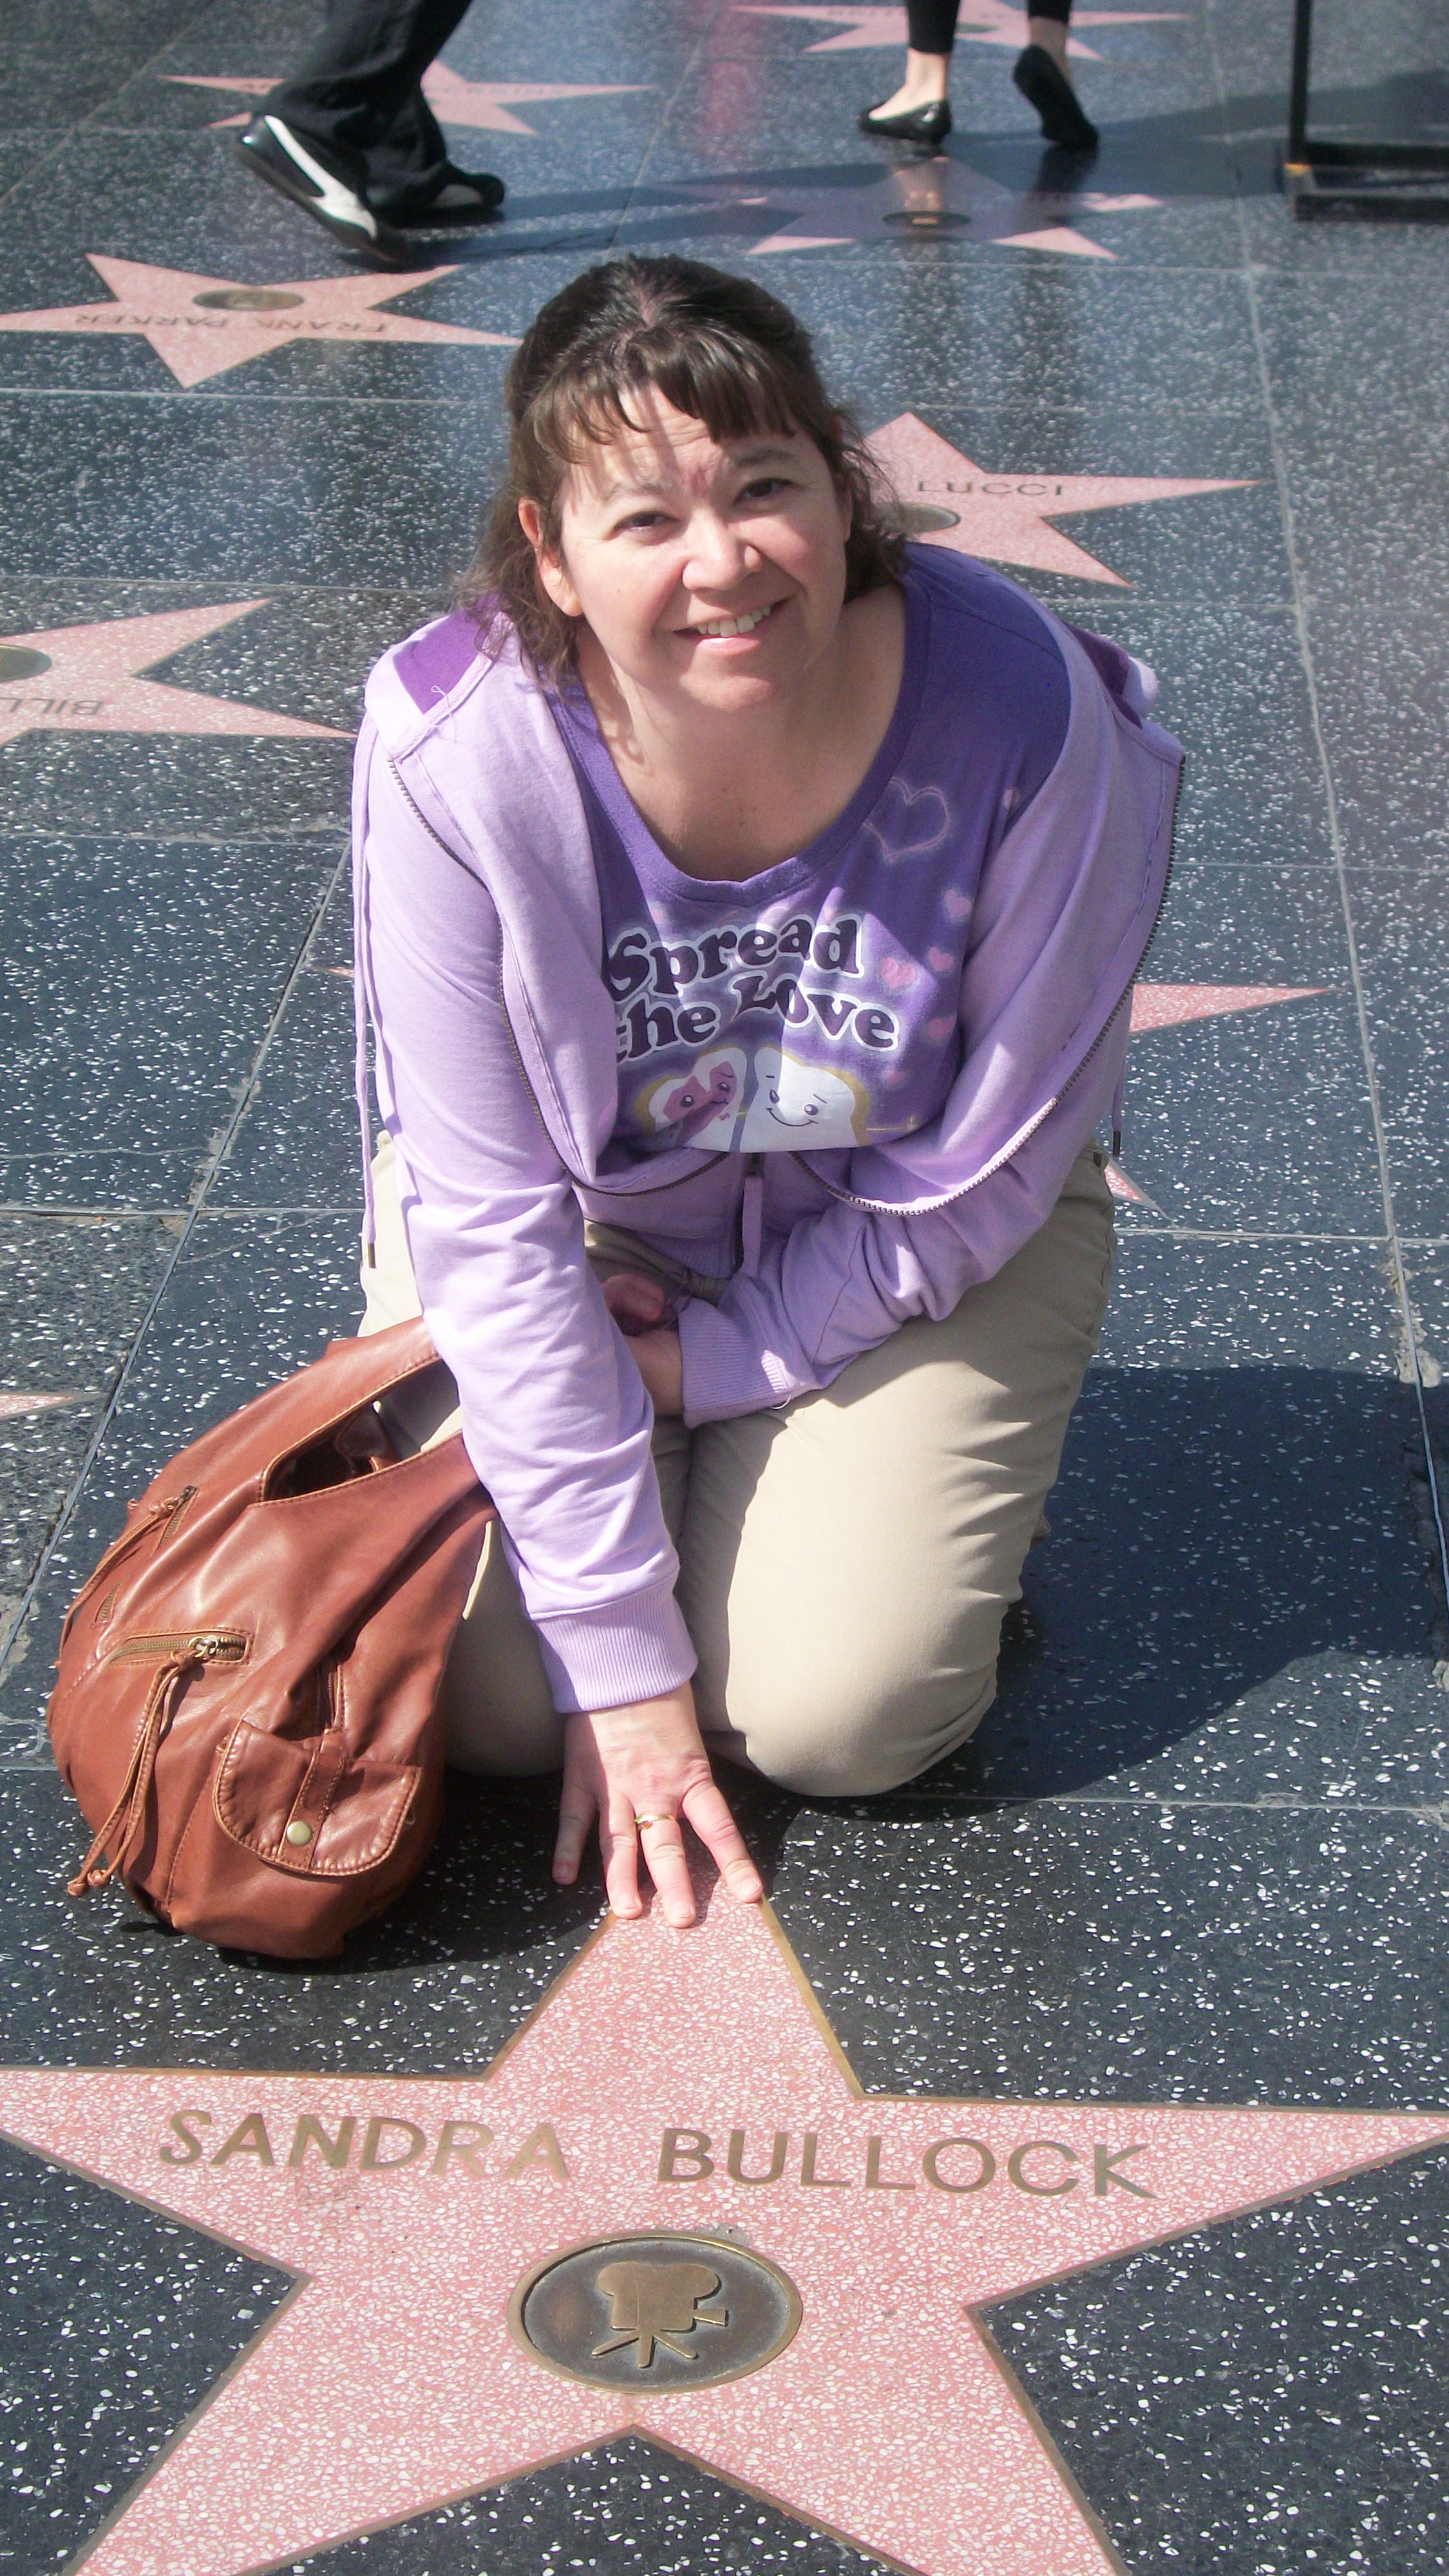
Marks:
<point>480,953</point>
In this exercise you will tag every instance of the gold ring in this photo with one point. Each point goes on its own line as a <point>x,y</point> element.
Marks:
<point>641,1821</point>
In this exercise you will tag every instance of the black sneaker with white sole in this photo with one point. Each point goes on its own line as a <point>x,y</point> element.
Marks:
<point>273,152</point>
<point>460,197</point>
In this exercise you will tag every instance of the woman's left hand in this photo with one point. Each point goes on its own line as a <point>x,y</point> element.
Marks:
<point>640,1308</point>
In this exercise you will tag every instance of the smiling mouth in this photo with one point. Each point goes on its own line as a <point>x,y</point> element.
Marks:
<point>720,627</point>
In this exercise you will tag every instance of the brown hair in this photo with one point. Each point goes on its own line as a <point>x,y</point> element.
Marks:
<point>719,348</point>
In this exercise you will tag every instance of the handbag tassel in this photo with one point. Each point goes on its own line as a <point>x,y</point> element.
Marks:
<point>129,1811</point>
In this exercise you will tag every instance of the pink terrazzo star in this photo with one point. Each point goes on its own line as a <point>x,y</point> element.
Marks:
<point>659,2067</point>
<point>1007,517</point>
<point>86,679</point>
<point>484,105</point>
<point>201,326</point>
<point>936,199</point>
<point>982,22</point>
<point>1169,1006</point>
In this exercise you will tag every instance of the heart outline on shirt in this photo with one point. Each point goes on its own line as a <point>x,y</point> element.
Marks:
<point>911,809</point>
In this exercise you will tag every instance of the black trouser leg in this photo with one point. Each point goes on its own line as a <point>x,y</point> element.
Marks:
<point>357,96</point>
<point>931,24</point>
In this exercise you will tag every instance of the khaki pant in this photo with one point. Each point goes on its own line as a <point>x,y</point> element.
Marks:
<point>846,1559</point>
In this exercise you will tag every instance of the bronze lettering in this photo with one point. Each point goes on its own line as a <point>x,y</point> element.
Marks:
<point>931,2165</point>
<point>735,2166</point>
<point>690,2143</point>
<point>452,2143</point>
<point>248,2138</point>
<point>1039,2147</point>
<point>542,2148</point>
<point>373,2160</point>
<point>808,2174</point>
<point>654,2303</point>
<point>189,2151</point>
<point>312,2132</point>
<point>1103,2176</point>
<point>873,2180</point>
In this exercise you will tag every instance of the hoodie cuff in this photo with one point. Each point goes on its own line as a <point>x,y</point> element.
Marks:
<point>724,1372</point>
<point>623,1651</point>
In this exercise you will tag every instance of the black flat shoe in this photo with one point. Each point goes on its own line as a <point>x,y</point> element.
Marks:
<point>913,125</point>
<point>1056,102</point>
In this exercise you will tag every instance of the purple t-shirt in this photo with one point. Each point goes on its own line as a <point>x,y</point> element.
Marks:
<point>814,1005</point>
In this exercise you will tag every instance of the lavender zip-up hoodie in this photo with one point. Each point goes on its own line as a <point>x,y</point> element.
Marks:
<point>479,950</point>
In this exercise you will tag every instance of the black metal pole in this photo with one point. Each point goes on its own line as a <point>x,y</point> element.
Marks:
<point>1298,85</point>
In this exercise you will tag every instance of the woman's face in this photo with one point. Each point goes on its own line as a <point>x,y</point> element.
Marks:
<point>711,576</point>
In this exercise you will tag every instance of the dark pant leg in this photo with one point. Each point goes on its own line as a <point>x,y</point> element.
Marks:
<point>410,162</point>
<point>931,24</point>
<point>356,95</point>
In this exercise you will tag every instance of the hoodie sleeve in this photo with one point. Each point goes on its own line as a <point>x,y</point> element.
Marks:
<point>555,1417</point>
<point>843,1281</point>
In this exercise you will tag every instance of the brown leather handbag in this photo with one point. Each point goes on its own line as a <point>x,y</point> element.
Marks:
<point>247,1707</point>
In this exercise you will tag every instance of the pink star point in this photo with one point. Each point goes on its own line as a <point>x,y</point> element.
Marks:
<point>201,326</point>
<point>390,2382</point>
<point>1167,1006</point>
<point>1007,517</point>
<point>87,679</point>
<point>982,22</point>
<point>483,105</point>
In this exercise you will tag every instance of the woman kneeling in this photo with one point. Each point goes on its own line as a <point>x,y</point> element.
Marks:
<point>747,906</point>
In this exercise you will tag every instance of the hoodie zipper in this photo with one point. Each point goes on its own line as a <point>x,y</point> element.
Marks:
<point>882,1207</point>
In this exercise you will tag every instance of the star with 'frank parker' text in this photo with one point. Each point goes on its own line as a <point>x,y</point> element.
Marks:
<point>1007,517</point>
<point>87,679</point>
<point>201,326</point>
<point>982,22</point>
<point>485,105</point>
<point>667,2208</point>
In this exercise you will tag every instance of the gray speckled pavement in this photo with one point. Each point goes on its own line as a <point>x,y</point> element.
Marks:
<point>1198,1854</point>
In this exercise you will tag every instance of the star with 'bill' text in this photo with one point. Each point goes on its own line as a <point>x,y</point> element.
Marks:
<point>87,679</point>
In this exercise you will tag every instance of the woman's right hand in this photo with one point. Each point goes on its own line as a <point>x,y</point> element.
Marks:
<point>648,1761</point>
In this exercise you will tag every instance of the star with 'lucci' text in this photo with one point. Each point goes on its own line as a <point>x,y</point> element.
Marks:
<point>201,326</point>
<point>87,679</point>
<point>949,501</point>
<point>637,2222</point>
<point>982,22</point>
<point>484,105</point>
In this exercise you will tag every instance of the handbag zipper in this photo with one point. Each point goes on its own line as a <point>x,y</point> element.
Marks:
<point>207,1645</point>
